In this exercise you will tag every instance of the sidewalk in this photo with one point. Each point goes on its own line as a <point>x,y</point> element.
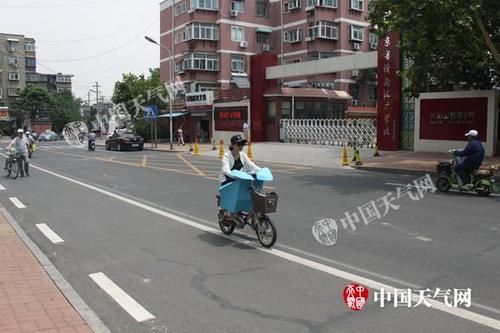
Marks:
<point>412,162</point>
<point>29,300</point>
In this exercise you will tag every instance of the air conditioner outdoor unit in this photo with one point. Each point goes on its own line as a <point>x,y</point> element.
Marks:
<point>354,102</point>
<point>308,39</point>
<point>373,46</point>
<point>244,44</point>
<point>356,46</point>
<point>266,47</point>
<point>234,13</point>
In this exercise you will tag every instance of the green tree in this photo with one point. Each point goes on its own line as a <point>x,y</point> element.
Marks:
<point>447,42</point>
<point>144,90</point>
<point>32,100</point>
<point>65,108</point>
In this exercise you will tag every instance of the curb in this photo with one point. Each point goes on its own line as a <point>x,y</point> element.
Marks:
<point>75,300</point>
<point>394,170</point>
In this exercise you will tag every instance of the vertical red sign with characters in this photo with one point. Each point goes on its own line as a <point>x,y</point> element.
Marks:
<point>389,92</point>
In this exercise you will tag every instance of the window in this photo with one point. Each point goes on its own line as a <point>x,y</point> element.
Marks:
<point>201,61</point>
<point>356,5</point>
<point>292,61</point>
<point>354,91</point>
<point>262,9</point>
<point>293,36</point>
<point>205,4</point>
<point>321,55</point>
<point>356,33</point>
<point>323,29</point>
<point>238,5</point>
<point>237,63</point>
<point>286,109</point>
<point>373,39</point>
<point>329,3</point>
<point>237,34</point>
<point>292,4</point>
<point>313,3</point>
<point>372,91</point>
<point>14,76</point>
<point>31,62</point>
<point>29,47</point>
<point>203,31</point>
<point>13,61</point>
<point>178,67</point>
<point>180,9</point>
<point>63,89</point>
<point>271,111</point>
<point>262,38</point>
<point>32,77</point>
<point>63,79</point>
<point>13,91</point>
<point>12,46</point>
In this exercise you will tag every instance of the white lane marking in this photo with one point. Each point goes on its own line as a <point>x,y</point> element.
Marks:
<point>407,232</point>
<point>2,188</point>
<point>451,190</point>
<point>128,304</point>
<point>458,312</point>
<point>49,233</point>
<point>17,203</point>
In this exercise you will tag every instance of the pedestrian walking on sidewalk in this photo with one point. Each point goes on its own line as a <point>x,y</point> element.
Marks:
<point>246,130</point>
<point>180,136</point>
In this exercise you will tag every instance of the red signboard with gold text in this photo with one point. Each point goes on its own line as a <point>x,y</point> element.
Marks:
<point>451,118</point>
<point>389,91</point>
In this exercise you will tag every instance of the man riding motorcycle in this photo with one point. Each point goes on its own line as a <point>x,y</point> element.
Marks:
<point>474,155</point>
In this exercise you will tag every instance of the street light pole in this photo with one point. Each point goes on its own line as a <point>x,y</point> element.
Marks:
<point>151,40</point>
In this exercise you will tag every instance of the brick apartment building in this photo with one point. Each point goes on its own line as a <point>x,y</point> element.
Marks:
<point>213,40</point>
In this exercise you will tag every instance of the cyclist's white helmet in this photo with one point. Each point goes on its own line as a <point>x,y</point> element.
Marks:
<point>20,130</point>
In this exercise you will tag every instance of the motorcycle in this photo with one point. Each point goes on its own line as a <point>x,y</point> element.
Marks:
<point>91,145</point>
<point>31,149</point>
<point>244,202</point>
<point>482,181</point>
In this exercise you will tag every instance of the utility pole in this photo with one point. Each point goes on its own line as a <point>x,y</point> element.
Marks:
<point>97,100</point>
<point>88,108</point>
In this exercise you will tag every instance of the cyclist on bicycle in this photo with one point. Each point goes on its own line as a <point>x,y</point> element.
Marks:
<point>22,148</point>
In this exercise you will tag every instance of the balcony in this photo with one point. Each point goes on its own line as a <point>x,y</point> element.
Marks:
<point>232,95</point>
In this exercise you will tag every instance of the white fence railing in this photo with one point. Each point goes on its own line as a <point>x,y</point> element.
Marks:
<point>336,132</point>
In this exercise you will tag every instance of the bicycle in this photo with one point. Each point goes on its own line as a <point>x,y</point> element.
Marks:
<point>12,164</point>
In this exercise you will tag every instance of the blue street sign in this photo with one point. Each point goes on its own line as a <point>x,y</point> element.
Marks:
<point>151,112</point>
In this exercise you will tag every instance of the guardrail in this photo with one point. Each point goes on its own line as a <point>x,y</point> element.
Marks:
<point>335,132</point>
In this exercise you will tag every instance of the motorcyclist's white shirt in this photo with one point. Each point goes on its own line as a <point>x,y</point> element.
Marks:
<point>228,163</point>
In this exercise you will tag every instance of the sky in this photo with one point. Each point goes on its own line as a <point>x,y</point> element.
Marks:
<point>95,40</point>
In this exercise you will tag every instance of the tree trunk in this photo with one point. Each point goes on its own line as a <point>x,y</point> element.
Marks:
<point>487,39</point>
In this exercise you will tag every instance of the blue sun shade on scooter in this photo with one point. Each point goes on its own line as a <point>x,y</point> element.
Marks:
<point>240,175</point>
<point>264,175</point>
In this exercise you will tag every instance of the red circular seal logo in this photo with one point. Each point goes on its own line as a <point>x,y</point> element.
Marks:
<point>355,296</point>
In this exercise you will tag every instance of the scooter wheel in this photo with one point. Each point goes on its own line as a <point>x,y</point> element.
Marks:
<point>485,191</point>
<point>226,227</point>
<point>443,184</point>
<point>266,232</point>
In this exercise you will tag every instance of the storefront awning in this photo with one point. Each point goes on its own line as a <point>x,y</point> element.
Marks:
<point>241,81</point>
<point>174,115</point>
<point>264,29</point>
